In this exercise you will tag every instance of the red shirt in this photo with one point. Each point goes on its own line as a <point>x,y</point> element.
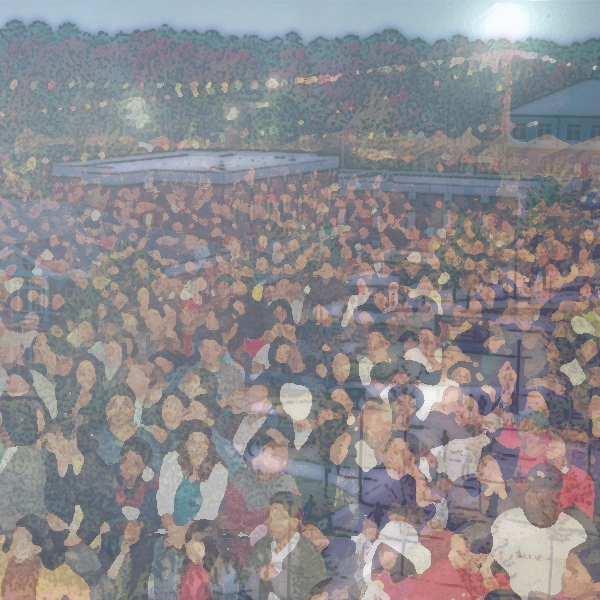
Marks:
<point>443,582</point>
<point>194,584</point>
<point>578,491</point>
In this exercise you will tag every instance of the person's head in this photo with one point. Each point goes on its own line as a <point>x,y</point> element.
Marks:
<point>376,421</point>
<point>341,367</point>
<point>173,411</point>
<point>281,523</point>
<point>86,374</point>
<point>60,434</point>
<point>113,354</point>
<point>120,410</point>
<point>31,537</point>
<point>197,452</point>
<point>271,457</point>
<point>21,422</point>
<point>136,455</point>
<point>200,547</point>
<point>461,555</point>
<point>211,351</point>
<point>137,379</point>
<point>387,557</point>
<point>398,455</point>
<point>542,487</point>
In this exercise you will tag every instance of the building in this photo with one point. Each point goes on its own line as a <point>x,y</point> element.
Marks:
<point>558,135</point>
<point>571,115</point>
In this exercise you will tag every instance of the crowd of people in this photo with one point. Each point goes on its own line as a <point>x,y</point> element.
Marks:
<point>131,478</point>
<point>359,448</point>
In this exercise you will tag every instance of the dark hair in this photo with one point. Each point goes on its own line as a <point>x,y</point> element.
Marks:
<point>286,499</point>
<point>68,426</point>
<point>20,420</point>
<point>205,527</point>
<point>211,460</point>
<point>52,556</point>
<point>139,447</point>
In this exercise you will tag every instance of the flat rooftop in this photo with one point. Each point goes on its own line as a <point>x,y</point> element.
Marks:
<point>224,167</point>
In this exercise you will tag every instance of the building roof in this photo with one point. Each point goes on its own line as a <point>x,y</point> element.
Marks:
<point>580,100</point>
<point>194,167</point>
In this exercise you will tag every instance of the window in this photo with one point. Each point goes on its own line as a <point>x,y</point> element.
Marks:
<point>595,130</point>
<point>573,133</point>
<point>595,160</point>
<point>520,131</point>
<point>544,129</point>
<point>412,219</point>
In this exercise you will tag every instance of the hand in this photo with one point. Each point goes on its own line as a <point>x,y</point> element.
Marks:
<point>55,523</point>
<point>105,528</point>
<point>315,536</point>
<point>268,572</point>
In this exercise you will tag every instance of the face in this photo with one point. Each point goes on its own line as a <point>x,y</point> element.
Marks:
<point>137,380</point>
<point>398,455</point>
<point>22,547</point>
<point>173,412</point>
<point>132,466</point>
<point>211,351</point>
<point>270,460</point>
<point>86,374</point>
<point>278,524</point>
<point>195,549</point>
<point>388,557</point>
<point>542,503</point>
<point>16,386</point>
<point>113,355</point>
<point>376,422</point>
<point>281,314</point>
<point>120,410</point>
<point>460,556</point>
<point>197,446</point>
<point>377,343</point>
<point>341,367</point>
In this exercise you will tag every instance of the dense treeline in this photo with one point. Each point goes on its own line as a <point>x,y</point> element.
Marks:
<point>105,93</point>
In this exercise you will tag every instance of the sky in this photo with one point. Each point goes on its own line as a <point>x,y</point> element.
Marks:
<point>563,21</point>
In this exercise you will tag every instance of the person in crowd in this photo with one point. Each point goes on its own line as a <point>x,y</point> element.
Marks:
<point>284,562</point>
<point>22,468</point>
<point>31,567</point>
<point>75,477</point>
<point>201,552</point>
<point>192,479</point>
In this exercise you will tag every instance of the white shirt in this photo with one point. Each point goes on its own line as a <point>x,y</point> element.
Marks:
<point>277,558</point>
<point>432,394</point>
<point>8,454</point>
<point>534,557</point>
<point>460,457</point>
<point>402,538</point>
<point>46,391</point>
<point>245,432</point>
<point>212,490</point>
<point>365,456</point>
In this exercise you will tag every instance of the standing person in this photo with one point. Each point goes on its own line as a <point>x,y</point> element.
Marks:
<point>22,469</point>
<point>75,476</point>
<point>192,479</point>
<point>284,563</point>
<point>31,567</point>
<point>536,559</point>
<point>197,570</point>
